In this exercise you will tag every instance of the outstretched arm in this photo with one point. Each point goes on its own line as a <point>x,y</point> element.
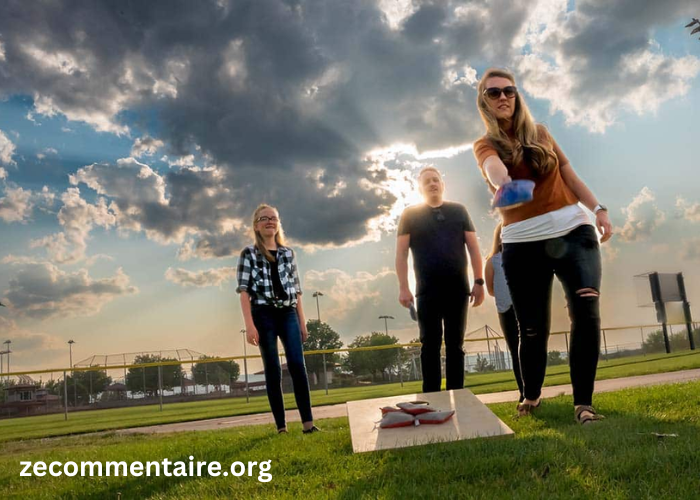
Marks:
<point>496,171</point>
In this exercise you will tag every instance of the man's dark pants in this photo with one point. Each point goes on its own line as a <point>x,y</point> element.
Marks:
<point>434,311</point>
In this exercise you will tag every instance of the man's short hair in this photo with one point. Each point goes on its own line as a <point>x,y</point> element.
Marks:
<point>429,169</point>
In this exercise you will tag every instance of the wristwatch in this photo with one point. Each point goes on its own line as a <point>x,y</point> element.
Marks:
<point>599,207</point>
<point>479,281</point>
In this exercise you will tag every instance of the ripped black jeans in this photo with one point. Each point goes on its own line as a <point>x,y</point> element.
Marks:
<point>529,269</point>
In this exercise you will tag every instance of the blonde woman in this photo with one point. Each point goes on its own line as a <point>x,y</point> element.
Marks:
<point>268,283</point>
<point>549,235</point>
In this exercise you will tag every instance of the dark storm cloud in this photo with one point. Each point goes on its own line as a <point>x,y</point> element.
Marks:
<point>40,290</point>
<point>284,99</point>
<point>269,91</point>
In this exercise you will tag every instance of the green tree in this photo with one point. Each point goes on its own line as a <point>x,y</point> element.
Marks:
<point>555,358</point>
<point>321,337</point>
<point>679,341</point>
<point>374,363</point>
<point>217,374</point>
<point>88,383</point>
<point>145,380</point>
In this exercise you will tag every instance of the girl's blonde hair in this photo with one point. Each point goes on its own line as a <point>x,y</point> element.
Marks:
<point>535,149</point>
<point>259,242</point>
<point>497,243</point>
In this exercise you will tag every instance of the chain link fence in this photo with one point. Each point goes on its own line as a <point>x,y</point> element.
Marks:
<point>166,377</point>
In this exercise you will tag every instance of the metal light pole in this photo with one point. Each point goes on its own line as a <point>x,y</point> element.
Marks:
<point>7,351</point>
<point>2,353</point>
<point>72,373</point>
<point>316,295</point>
<point>245,366</point>
<point>386,319</point>
<point>386,325</point>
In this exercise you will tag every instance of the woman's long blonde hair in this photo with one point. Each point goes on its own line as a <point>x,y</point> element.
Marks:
<point>497,244</point>
<point>259,242</point>
<point>528,144</point>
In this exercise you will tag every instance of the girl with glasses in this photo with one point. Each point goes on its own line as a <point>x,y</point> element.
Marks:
<point>268,283</point>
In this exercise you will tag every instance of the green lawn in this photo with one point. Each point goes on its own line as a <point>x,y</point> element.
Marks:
<point>549,457</point>
<point>89,421</point>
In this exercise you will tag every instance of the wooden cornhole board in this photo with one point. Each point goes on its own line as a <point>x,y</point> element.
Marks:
<point>472,419</point>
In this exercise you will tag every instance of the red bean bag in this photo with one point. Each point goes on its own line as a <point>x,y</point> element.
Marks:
<point>396,419</point>
<point>415,409</point>
<point>435,417</point>
<point>389,409</point>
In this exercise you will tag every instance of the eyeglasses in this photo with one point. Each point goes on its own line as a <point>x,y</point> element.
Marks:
<point>265,218</point>
<point>494,93</point>
<point>439,216</point>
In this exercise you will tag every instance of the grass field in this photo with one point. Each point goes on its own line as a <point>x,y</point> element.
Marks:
<point>98,420</point>
<point>549,457</point>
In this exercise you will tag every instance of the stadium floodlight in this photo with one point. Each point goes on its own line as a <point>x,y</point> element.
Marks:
<point>386,324</point>
<point>316,295</point>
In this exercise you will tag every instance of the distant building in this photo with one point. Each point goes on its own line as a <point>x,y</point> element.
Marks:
<point>26,398</point>
<point>114,392</point>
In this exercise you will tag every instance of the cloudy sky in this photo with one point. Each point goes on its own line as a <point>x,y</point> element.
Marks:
<point>136,139</point>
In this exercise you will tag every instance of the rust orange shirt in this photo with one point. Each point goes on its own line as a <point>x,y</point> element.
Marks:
<point>551,192</point>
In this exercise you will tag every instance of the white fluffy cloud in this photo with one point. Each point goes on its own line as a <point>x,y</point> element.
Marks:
<point>7,150</point>
<point>642,217</point>
<point>41,290</point>
<point>16,205</point>
<point>597,61</point>
<point>146,145</point>
<point>47,152</point>
<point>610,252</point>
<point>78,218</point>
<point>210,277</point>
<point>168,208</point>
<point>688,211</point>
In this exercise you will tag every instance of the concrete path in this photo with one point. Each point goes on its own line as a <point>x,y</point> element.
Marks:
<point>339,410</point>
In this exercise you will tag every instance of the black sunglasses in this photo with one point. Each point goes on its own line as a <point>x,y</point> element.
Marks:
<point>494,93</point>
<point>439,216</point>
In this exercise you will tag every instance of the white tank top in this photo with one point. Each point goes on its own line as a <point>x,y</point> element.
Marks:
<point>543,227</point>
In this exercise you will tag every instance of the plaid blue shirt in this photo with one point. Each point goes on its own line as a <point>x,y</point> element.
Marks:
<point>255,277</point>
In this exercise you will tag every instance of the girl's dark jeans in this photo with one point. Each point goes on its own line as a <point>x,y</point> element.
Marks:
<point>509,327</point>
<point>529,269</point>
<point>271,323</point>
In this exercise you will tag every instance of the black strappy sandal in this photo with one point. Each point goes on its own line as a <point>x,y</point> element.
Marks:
<point>311,430</point>
<point>526,409</point>
<point>592,417</point>
<point>283,430</point>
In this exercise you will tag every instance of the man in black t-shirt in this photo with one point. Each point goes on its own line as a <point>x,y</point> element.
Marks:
<point>436,233</point>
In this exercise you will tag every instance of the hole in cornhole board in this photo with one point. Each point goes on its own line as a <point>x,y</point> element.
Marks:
<point>472,419</point>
